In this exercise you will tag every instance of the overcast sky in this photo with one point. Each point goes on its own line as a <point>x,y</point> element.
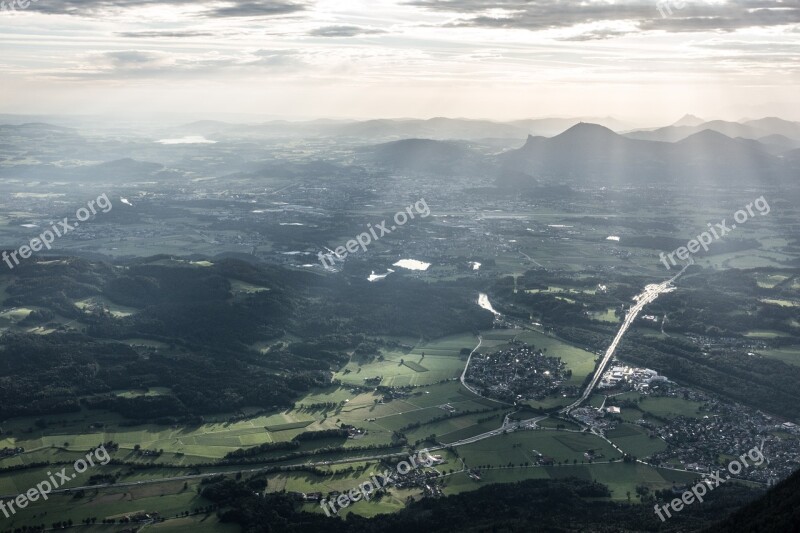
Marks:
<point>507,59</point>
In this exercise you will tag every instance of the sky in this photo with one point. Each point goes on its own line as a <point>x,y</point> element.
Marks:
<point>638,60</point>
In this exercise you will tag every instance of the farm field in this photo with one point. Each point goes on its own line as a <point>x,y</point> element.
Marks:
<point>168,499</point>
<point>427,363</point>
<point>455,429</point>
<point>629,414</point>
<point>665,407</point>
<point>81,431</point>
<point>770,281</point>
<point>621,478</point>
<point>782,303</point>
<point>196,524</point>
<point>98,302</point>
<point>436,404</point>
<point>607,316</point>
<point>635,440</point>
<point>581,362</point>
<point>68,437</point>
<point>554,423</point>
<point>765,334</point>
<point>789,355</point>
<point>523,446</point>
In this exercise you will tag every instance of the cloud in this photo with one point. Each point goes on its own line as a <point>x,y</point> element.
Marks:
<point>278,60</point>
<point>146,64</point>
<point>256,9</point>
<point>595,35</point>
<point>691,16</point>
<point>726,17</point>
<point>343,31</point>
<point>229,8</point>
<point>164,33</point>
<point>131,57</point>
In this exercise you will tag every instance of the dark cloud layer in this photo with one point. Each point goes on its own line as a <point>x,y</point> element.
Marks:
<point>256,9</point>
<point>595,35</point>
<point>667,15</point>
<point>343,31</point>
<point>164,33</point>
<point>232,8</point>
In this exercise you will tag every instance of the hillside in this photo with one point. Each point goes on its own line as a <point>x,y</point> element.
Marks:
<point>778,511</point>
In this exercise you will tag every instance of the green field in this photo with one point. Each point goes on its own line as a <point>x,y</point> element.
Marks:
<point>77,432</point>
<point>195,524</point>
<point>135,393</point>
<point>168,499</point>
<point>99,302</point>
<point>444,409</point>
<point>635,440</point>
<point>607,316</point>
<point>553,423</point>
<point>621,478</point>
<point>765,334</point>
<point>400,368</point>
<point>596,400</point>
<point>560,445</point>
<point>290,425</point>
<point>416,367</point>
<point>769,281</point>
<point>789,354</point>
<point>782,303</point>
<point>665,407</point>
<point>581,362</point>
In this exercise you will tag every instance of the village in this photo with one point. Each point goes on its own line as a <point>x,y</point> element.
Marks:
<point>518,373</point>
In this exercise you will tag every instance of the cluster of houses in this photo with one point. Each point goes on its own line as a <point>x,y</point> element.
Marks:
<point>517,373</point>
<point>354,432</point>
<point>11,452</point>
<point>594,418</point>
<point>724,429</point>
<point>420,478</point>
<point>708,342</point>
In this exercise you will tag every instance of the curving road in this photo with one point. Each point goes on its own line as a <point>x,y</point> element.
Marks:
<point>464,373</point>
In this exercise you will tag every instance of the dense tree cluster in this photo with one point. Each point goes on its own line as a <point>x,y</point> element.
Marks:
<point>563,505</point>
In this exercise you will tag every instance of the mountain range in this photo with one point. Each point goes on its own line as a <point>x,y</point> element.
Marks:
<point>593,153</point>
<point>438,128</point>
<point>590,152</point>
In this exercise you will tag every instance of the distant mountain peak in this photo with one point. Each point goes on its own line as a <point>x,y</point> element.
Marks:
<point>588,131</point>
<point>689,120</point>
<point>706,135</point>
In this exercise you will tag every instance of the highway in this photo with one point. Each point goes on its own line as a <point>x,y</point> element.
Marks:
<point>650,293</point>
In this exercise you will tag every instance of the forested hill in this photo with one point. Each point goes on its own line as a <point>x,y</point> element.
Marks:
<point>778,511</point>
<point>540,505</point>
<point>211,332</point>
